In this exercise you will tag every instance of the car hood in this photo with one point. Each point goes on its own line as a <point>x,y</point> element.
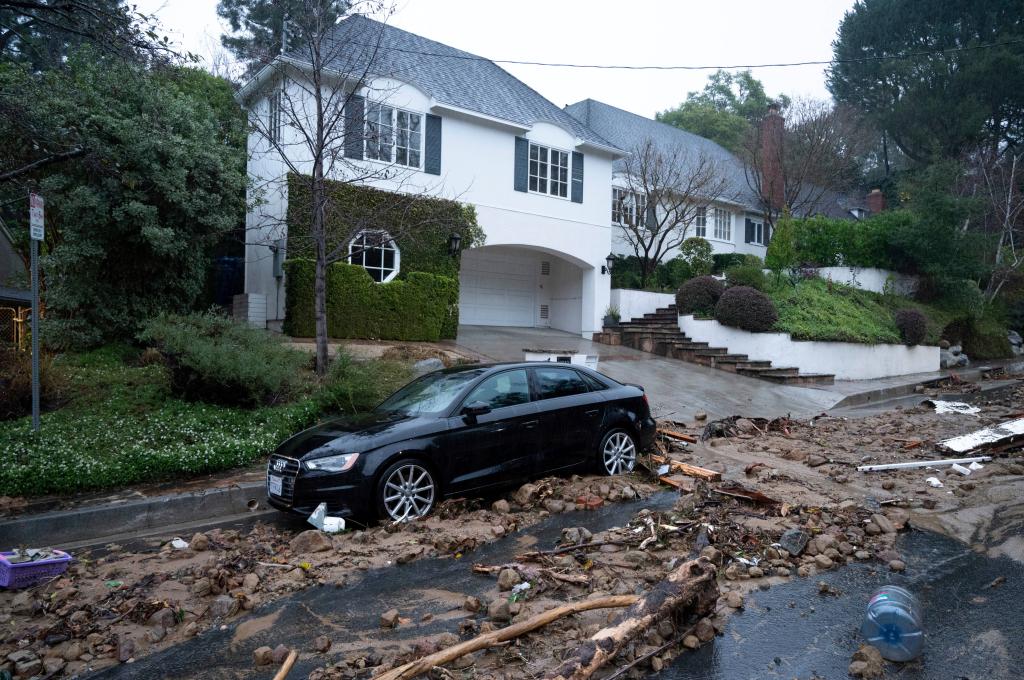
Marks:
<point>356,434</point>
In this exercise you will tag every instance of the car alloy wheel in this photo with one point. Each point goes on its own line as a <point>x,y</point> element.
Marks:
<point>408,492</point>
<point>618,452</point>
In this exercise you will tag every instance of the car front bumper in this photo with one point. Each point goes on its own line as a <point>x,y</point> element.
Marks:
<point>347,494</point>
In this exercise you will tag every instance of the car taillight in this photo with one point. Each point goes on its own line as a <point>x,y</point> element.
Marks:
<point>646,403</point>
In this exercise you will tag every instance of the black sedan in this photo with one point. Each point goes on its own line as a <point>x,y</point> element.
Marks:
<point>461,431</point>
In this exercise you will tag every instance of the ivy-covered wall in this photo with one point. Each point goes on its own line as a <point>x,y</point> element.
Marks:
<point>421,306</point>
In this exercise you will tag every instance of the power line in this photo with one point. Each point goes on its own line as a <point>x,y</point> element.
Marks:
<point>857,60</point>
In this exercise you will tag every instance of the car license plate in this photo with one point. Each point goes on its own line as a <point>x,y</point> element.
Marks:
<point>274,484</point>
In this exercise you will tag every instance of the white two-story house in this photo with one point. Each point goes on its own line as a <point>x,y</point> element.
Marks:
<point>465,129</point>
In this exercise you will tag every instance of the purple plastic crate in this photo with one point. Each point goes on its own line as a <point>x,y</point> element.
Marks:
<point>25,574</point>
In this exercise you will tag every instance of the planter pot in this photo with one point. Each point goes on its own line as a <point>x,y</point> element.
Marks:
<point>610,321</point>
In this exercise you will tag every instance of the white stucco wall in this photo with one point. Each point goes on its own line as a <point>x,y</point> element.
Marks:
<point>633,304</point>
<point>845,360</point>
<point>477,167</point>
<point>867,278</point>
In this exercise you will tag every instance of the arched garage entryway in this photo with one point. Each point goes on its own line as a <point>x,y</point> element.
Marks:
<point>522,286</point>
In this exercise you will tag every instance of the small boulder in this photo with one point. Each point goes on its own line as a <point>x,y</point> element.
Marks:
<point>279,654</point>
<point>263,656</point>
<point>499,610</point>
<point>162,618</point>
<point>526,494</point>
<point>311,541</point>
<point>251,582</point>
<point>322,644</point>
<point>389,619</point>
<point>823,562</point>
<point>471,604</point>
<point>691,642</point>
<point>508,579</point>
<point>223,607</point>
<point>734,599</point>
<point>867,663</point>
<point>199,542</point>
<point>897,565</point>
<point>125,648</point>
<point>501,507</point>
<point>554,506</point>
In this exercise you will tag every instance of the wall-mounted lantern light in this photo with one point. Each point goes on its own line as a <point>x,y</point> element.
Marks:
<point>609,262</point>
<point>454,242</point>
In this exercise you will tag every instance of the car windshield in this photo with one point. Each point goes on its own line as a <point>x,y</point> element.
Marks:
<point>431,394</point>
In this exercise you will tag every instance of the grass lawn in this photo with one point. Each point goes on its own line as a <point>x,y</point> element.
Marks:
<point>815,310</point>
<point>120,424</point>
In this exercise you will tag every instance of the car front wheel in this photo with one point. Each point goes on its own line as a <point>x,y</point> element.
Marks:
<point>407,490</point>
<point>617,453</point>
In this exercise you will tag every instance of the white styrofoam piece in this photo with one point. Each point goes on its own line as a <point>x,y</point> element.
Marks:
<point>990,435</point>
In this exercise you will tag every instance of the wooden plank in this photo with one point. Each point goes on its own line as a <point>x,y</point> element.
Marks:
<point>687,469</point>
<point>672,434</point>
<point>680,482</point>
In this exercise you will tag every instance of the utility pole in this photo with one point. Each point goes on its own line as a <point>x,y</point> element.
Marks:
<point>36,232</point>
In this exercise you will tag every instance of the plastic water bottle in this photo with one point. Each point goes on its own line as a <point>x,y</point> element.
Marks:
<point>892,624</point>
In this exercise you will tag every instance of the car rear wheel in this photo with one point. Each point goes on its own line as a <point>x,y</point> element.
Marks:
<point>407,490</point>
<point>617,453</point>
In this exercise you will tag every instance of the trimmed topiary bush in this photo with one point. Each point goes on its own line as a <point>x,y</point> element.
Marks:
<point>696,252</point>
<point>748,275</point>
<point>747,308</point>
<point>913,325</point>
<point>699,295</point>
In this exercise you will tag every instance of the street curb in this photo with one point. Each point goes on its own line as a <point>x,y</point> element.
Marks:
<point>887,393</point>
<point>96,522</point>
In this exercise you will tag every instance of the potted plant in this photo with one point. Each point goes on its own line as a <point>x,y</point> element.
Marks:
<point>611,316</point>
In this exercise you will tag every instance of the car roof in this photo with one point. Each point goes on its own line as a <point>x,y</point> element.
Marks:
<point>497,366</point>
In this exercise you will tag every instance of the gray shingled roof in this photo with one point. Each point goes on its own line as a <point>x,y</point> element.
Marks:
<point>628,131</point>
<point>448,75</point>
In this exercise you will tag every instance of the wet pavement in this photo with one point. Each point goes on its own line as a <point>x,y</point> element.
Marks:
<point>350,615</point>
<point>973,631</point>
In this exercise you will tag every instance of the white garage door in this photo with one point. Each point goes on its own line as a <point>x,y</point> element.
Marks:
<point>497,290</point>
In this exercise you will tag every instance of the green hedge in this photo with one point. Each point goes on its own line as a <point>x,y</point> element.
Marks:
<point>420,307</point>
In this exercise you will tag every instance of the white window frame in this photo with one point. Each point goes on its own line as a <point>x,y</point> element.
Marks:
<point>700,223</point>
<point>723,224</point>
<point>388,146</point>
<point>623,210</point>
<point>758,224</point>
<point>274,106</point>
<point>386,244</point>
<point>539,171</point>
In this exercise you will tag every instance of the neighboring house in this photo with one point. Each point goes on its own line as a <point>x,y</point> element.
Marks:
<point>538,178</point>
<point>734,223</point>
<point>13,274</point>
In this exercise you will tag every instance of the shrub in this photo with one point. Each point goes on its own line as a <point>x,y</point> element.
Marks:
<point>747,308</point>
<point>781,253</point>
<point>354,386</point>
<point>722,261</point>
<point>699,295</point>
<point>16,382</point>
<point>913,325</point>
<point>696,252</point>
<point>747,275</point>
<point>215,359</point>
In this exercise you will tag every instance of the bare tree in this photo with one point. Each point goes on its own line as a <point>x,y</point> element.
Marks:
<point>1000,179</point>
<point>796,156</point>
<point>327,106</point>
<point>665,189</point>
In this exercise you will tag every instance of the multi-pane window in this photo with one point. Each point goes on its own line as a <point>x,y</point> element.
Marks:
<point>375,251</point>
<point>394,135</point>
<point>723,224</point>
<point>549,171</point>
<point>700,223</point>
<point>756,232</point>
<point>628,208</point>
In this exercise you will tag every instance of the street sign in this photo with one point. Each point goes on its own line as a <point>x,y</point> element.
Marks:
<point>35,216</point>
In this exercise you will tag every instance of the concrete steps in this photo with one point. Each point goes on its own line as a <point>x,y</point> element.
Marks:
<point>658,332</point>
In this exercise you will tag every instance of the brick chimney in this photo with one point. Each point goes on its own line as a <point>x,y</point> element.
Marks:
<point>876,201</point>
<point>772,183</point>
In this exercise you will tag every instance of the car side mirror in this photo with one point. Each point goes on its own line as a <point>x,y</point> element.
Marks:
<point>475,409</point>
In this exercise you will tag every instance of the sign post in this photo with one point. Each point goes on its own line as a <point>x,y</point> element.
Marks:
<point>36,232</point>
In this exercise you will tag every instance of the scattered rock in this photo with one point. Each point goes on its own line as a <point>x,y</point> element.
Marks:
<point>700,415</point>
<point>156,634</point>
<point>125,648</point>
<point>251,582</point>
<point>322,644</point>
<point>867,663</point>
<point>691,642</point>
<point>508,579</point>
<point>389,619</point>
<point>897,565</point>
<point>199,542</point>
<point>734,599</point>
<point>526,495</point>
<point>713,554</point>
<point>499,610</point>
<point>501,507</point>
<point>191,629</point>
<point>163,618</point>
<point>794,541</point>
<point>471,604</point>
<point>554,506</point>
<point>263,656</point>
<point>814,460</point>
<point>311,541</point>
<point>884,523</point>
<point>201,587</point>
<point>223,607</point>
<point>755,572</point>
<point>279,654</point>
<point>823,562</point>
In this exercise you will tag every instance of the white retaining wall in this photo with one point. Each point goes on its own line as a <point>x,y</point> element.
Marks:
<point>868,278</point>
<point>634,304</point>
<point>845,360</point>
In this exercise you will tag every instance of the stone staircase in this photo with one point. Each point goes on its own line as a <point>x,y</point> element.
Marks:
<point>659,333</point>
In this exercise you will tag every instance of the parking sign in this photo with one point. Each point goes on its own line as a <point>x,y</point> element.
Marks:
<point>35,216</point>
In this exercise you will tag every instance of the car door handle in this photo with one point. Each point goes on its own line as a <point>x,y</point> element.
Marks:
<point>530,424</point>
<point>592,412</point>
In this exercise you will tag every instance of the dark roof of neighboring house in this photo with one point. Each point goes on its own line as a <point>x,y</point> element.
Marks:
<point>628,131</point>
<point>450,76</point>
<point>15,295</point>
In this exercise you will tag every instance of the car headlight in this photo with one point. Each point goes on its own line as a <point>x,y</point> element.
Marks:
<point>341,463</point>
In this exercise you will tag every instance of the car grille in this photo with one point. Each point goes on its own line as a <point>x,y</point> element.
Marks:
<point>287,469</point>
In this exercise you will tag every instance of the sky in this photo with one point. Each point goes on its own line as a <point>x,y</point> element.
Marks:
<point>638,32</point>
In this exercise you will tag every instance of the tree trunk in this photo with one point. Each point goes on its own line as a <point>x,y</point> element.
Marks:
<point>320,273</point>
<point>690,590</point>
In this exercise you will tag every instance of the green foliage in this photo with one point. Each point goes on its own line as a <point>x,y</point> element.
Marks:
<point>130,220</point>
<point>747,275</point>
<point>781,254</point>
<point>699,296</point>
<point>724,110</point>
<point>668,276</point>
<point>940,105</point>
<point>722,261</point>
<point>912,324</point>
<point>122,426</point>
<point>696,252</point>
<point>982,338</point>
<point>215,359</point>
<point>357,386</point>
<point>747,308</point>
<point>420,307</point>
<point>16,383</point>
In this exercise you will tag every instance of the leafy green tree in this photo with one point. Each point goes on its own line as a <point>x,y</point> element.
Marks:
<point>939,77</point>
<point>781,253</point>
<point>696,253</point>
<point>724,110</point>
<point>155,182</point>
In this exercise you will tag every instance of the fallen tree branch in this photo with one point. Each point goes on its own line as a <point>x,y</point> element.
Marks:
<point>495,637</point>
<point>689,590</point>
<point>286,667</point>
<point>531,571</point>
<point>571,548</point>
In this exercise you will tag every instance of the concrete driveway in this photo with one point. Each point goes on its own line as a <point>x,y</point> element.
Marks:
<point>675,388</point>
